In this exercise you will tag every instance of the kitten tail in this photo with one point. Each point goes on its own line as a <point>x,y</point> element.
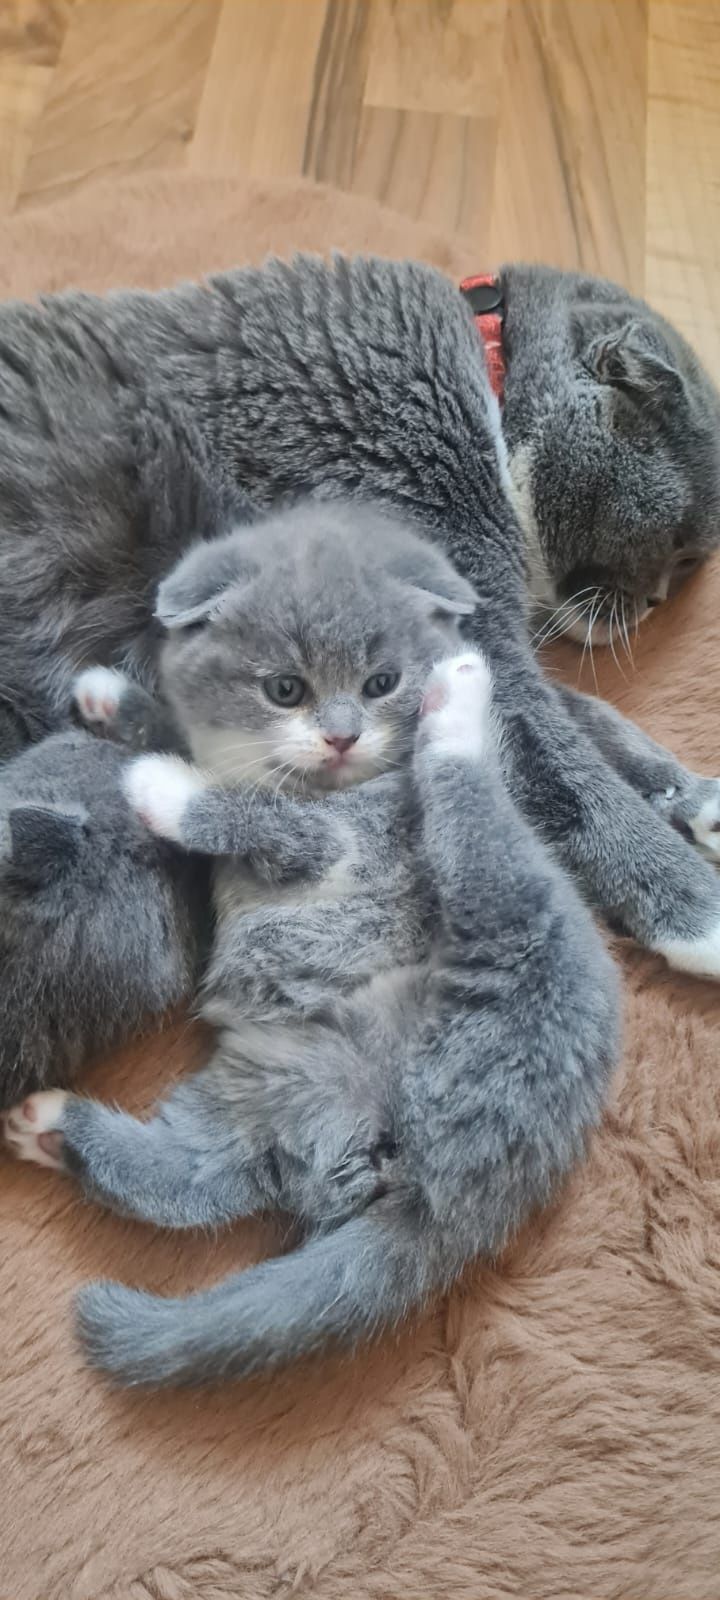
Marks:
<point>337,1289</point>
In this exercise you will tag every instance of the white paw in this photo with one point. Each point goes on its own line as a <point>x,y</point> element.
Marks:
<point>32,1129</point>
<point>159,790</point>
<point>706,825</point>
<point>456,705</point>
<point>698,956</point>
<point>97,693</point>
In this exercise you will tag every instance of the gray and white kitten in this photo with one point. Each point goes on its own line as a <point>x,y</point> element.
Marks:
<point>415,1016</point>
<point>366,379</point>
<point>100,924</point>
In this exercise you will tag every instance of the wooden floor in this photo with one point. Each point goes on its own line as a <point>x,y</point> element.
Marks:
<point>583,132</point>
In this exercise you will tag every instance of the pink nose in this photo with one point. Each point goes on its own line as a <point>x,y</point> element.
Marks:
<point>340,741</point>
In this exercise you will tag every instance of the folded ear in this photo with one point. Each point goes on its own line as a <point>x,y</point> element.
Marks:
<point>193,591</point>
<point>631,358</point>
<point>426,569</point>
<point>44,843</point>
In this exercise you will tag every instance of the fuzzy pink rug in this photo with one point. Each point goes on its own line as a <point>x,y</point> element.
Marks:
<point>553,1430</point>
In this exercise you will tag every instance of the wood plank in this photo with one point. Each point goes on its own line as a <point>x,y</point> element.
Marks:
<point>23,92</point>
<point>339,83</point>
<point>570,172</point>
<point>31,36</point>
<point>284,89</point>
<point>437,55</point>
<point>426,140</point>
<point>32,31</point>
<point>435,167</point>
<point>124,93</point>
<point>254,110</point>
<point>683,179</point>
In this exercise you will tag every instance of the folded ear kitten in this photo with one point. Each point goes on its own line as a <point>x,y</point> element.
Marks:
<point>415,1017</point>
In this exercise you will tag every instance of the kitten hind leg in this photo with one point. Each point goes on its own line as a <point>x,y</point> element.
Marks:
<point>522,1011</point>
<point>688,801</point>
<point>178,1170</point>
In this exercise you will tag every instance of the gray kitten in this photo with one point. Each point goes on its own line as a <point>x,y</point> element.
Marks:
<point>415,1016</point>
<point>100,924</point>
<point>366,379</point>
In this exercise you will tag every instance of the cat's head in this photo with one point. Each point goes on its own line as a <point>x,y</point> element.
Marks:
<point>614,436</point>
<point>297,650</point>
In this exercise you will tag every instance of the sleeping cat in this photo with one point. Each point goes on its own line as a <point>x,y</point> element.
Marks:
<point>366,378</point>
<point>101,926</point>
<point>415,1016</point>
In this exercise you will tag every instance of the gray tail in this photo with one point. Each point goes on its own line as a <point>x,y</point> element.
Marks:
<point>337,1289</point>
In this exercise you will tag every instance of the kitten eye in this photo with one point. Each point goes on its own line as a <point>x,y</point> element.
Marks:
<point>379,684</point>
<point>285,690</point>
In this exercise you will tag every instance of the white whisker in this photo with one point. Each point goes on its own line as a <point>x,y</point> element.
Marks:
<point>549,628</point>
<point>594,609</point>
<point>626,635</point>
<point>611,620</point>
<point>560,623</point>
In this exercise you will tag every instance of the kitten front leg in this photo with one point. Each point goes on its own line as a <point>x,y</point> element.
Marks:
<point>686,800</point>
<point>112,704</point>
<point>279,837</point>
<point>159,789</point>
<point>641,874</point>
<point>179,1170</point>
<point>503,902</point>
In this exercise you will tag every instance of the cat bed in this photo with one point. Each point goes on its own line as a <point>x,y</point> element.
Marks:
<point>553,1428</point>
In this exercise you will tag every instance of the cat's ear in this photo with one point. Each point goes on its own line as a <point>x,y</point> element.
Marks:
<point>630,358</point>
<point>44,843</point>
<point>194,590</point>
<point>444,591</point>
<point>460,603</point>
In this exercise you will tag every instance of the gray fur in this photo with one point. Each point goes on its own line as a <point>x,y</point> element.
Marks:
<point>415,1016</point>
<point>365,379</point>
<point>357,582</point>
<point>613,429</point>
<point>639,871</point>
<point>100,924</point>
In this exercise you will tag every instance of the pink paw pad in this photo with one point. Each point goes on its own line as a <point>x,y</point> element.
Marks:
<point>98,692</point>
<point>31,1129</point>
<point>433,700</point>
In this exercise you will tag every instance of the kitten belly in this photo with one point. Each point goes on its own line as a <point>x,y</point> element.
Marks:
<point>239,891</point>
<point>305,949</point>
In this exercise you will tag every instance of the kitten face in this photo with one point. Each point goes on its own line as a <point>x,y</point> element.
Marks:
<point>306,665</point>
<point>277,715</point>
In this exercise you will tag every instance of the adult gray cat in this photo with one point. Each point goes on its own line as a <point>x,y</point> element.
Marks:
<point>101,926</point>
<point>416,1018</point>
<point>366,378</point>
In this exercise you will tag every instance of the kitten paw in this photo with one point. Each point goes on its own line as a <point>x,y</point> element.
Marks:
<point>32,1129</point>
<point>97,693</point>
<point>454,715</point>
<point>705,825</point>
<point>700,956</point>
<point>159,790</point>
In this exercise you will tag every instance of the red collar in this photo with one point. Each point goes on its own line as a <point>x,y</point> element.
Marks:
<point>485,299</point>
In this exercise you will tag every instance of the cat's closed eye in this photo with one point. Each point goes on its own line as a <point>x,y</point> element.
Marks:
<point>286,689</point>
